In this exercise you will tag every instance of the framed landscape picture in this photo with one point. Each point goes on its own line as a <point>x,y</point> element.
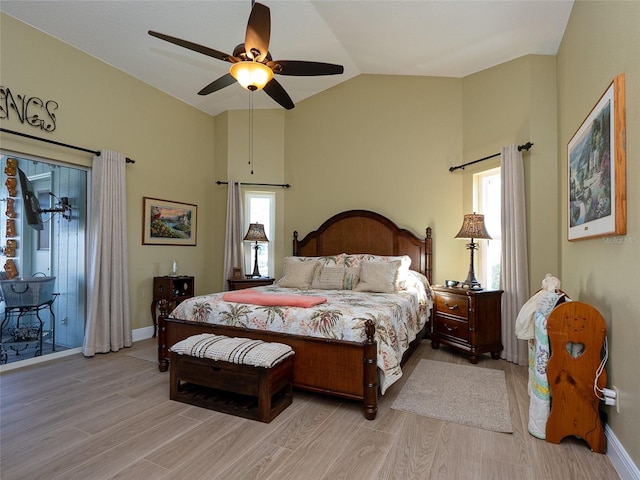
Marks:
<point>168,223</point>
<point>596,160</point>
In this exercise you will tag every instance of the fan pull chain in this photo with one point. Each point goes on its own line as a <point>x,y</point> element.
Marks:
<point>251,130</point>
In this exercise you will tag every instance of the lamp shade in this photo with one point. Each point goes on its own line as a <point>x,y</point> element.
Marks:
<point>251,75</point>
<point>256,233</point>
<point>473,227</point>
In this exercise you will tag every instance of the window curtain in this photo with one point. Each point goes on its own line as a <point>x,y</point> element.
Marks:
<point>514,278</point>
<point>108,325</point>
<point>234,233</point>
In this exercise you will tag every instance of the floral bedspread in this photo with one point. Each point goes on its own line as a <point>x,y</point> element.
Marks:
<point>398,318</point>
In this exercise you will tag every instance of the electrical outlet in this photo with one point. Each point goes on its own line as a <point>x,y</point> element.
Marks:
<point>615,389</point>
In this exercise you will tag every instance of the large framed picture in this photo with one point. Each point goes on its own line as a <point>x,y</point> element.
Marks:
<point>168,223</point>
<point>596,157</point>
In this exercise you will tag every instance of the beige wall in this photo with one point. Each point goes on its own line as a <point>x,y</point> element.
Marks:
<point>602,40</point>
<point>392,140</point>
<point>101,107</point>
<point>381,143</point>
<point>514,103</point>
<point>232,164</point>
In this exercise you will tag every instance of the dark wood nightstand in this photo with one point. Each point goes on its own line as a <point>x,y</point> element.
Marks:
<point>468,320</point>
<point>241,283</point>
<point>172,289</point>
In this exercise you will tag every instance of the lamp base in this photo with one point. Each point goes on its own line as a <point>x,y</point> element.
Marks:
<point>256,272</point>
<point>471,285</point>
<point>471,281</point>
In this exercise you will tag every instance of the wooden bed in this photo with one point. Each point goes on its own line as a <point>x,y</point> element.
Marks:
<point>335,367</point>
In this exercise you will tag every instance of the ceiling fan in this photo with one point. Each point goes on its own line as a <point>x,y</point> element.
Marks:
<point>252,65</point>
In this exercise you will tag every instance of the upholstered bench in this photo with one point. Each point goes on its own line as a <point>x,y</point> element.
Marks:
<point>240,376</point>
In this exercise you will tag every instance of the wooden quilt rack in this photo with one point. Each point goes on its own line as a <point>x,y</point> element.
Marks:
<point>571,374</point>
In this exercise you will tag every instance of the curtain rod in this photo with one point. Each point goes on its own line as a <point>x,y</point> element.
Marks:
<point>95,152</point>
<point>283,185</point>
<point>526,146</point>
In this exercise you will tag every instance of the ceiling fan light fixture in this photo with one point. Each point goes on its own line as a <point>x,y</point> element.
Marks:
<point>251,75</point>
<point>252,65</point>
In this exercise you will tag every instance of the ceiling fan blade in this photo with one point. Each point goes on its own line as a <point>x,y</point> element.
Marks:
<point>219,84</point>
<point>275,91</point>
<point>258,32</point>
<point>194,46</point>
<point>301,68</point>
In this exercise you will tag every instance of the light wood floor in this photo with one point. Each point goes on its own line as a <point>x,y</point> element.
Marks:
<point>110,417</point>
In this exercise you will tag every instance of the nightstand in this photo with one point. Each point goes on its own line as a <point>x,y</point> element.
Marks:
<point>172,289</point>
<point>241,283</point>
<point>468,320</point>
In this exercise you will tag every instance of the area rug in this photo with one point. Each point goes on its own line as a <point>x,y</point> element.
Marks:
<point>464,394</point>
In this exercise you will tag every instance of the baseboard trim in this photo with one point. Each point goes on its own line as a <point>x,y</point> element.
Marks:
<point>619,457</point>
<point>142,333</point>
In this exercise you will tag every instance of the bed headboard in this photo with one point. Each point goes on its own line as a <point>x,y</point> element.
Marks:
<point>362,231</point>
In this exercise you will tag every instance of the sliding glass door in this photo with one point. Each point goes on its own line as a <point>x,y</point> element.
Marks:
<point>54,246</point>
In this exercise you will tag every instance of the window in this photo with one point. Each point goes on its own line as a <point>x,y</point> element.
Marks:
<point>487,200</point>
<point>260,207</point>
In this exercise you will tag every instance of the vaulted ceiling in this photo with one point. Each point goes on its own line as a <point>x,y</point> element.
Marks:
<point>449,38</point>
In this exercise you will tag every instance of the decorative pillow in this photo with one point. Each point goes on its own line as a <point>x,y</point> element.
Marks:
<point>326,261</point>
<point>298,272</point>
<point>335,278</point>
<point>330,278</point>
<point>356,260</point>
<point>378,276</point>
<point>351,277</point>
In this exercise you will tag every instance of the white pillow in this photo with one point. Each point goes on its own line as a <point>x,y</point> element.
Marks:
<point>403,272</point>
<point>297,273</point>
<point>356,260</point>
<point>378,277</point>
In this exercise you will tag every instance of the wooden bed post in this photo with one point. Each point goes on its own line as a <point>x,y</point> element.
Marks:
<point>428,268</point>
<point>163,363</point>
<point>370,372</point>
<point>296,244</point>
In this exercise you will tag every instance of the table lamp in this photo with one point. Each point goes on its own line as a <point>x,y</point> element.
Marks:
<point>473,227</point>
<point>255,234</point>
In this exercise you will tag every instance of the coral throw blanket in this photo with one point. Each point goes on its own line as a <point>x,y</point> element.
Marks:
<point>272,299</point>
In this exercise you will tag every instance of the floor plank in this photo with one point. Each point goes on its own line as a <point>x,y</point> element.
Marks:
<point>412,454</point>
